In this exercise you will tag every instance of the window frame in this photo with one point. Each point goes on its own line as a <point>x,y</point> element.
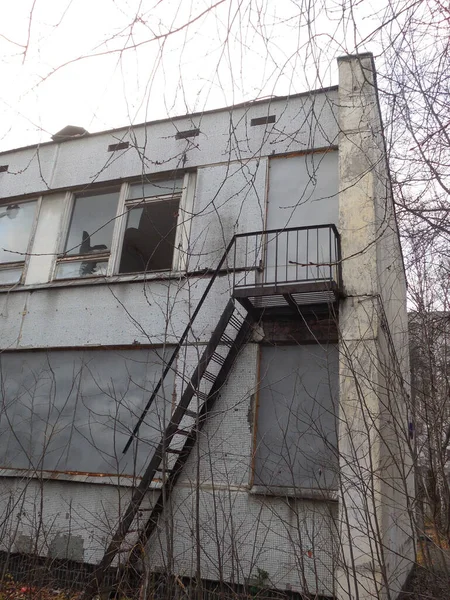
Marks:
<point>23,264</point>
<point>61,257</point>
<point>113,256</point>
<point>155,357</point>
<point>182,229</point>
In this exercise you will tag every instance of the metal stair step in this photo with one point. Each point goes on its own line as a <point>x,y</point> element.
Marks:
<point>183,432</point>
<point>227,340</point>
<point>209,376</point>
<point>235,323</point>
<point>218,358</point>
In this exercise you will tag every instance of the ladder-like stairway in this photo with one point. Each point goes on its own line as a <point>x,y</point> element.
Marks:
<point>179,437</point>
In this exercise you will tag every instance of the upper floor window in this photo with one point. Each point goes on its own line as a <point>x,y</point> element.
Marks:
<point>16,225</point>
<point>151,224</point>
<point>89,236</point>
<point>127,229</point>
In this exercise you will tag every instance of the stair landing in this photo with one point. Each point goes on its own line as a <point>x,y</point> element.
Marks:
<point>270,300</point>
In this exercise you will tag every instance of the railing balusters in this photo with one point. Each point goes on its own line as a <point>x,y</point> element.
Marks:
<point>257,262</point>
<point>268,252</point>
<point>276,259</point>
<point>317,255</point>
<point>307,254</point>
<point>265,255</point>
<point>246,256</point>
<point>287,254</point>
<point>329,243</point>
<point>234,265</point>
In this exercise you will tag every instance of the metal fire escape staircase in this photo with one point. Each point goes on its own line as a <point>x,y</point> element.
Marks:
<point>252,298</point>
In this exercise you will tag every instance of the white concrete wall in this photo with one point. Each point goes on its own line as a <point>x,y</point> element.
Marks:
<point>376,538</point>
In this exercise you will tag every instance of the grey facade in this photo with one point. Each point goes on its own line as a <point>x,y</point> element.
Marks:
<point>105,257</point>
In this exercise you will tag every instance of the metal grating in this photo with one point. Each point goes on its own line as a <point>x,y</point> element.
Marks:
<point>325,297</point>
<point>268,301</point>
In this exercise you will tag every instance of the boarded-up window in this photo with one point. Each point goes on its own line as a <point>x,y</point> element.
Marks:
<point>296,420</point>
<point>74,410</point>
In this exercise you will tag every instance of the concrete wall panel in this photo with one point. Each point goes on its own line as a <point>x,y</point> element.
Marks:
<point>301,123</point>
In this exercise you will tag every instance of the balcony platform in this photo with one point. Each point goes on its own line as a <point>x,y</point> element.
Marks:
<point>288,299</point>
<point>289,271</point>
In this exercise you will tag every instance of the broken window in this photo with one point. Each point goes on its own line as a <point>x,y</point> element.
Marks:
<point>135,235</point>
<point>151,223</point>
<point>88,243</point>
<point>74,410</point>
<point>296,418</point>
<point>16,224</point>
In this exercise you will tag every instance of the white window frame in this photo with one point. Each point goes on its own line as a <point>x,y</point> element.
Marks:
<point>23,264</point>
<point>64,232</point>
<point>179,259</point>
<point>183,227</point>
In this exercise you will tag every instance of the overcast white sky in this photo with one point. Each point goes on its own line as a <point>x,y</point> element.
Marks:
<point>239,50</point>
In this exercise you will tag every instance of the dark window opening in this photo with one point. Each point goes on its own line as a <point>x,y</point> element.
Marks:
<point>262,120</point>
<point>182,135</point>
<point>149,239</point>
<point>119,146</point>
<point>3,168</point>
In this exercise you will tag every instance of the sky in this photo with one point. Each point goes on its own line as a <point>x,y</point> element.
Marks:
<point>101,64</point>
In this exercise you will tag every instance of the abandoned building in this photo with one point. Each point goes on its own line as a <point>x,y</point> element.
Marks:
<point>204,362</point>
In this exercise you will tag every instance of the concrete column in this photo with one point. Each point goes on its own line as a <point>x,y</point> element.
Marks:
<point>364,567</point>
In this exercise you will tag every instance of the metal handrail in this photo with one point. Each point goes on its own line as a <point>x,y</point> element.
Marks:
<point>279,252</point>
<point>203,298</point>
<point>285,229</point>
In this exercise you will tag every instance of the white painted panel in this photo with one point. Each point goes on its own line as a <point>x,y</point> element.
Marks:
<point>82,513</point>
<point>30,170</point>
<point>241,535</point>
<point>12,311</point>
<point>95,315</point>
<point>45,245</point>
